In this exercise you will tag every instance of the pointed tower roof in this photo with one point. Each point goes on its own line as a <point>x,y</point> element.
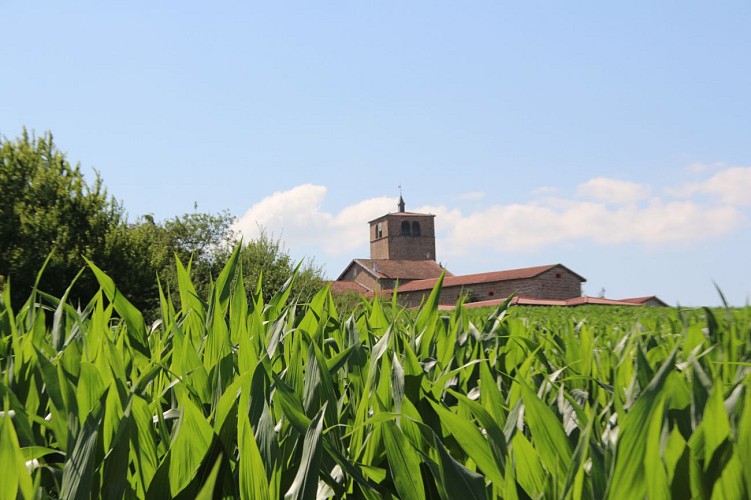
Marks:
<point>401,204</point>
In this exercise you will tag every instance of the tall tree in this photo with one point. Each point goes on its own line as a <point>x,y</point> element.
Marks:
<point>47,207</point>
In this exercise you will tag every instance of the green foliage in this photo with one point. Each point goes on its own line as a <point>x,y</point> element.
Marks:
<point>149,248</point>
<point>206,242</point>
<point>258,396</point>
<point>265,259</point>
<point>47,208</point>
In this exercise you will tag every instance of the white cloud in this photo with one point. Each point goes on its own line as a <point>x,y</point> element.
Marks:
<point>731,186</point>
<point>601,212</point>
<point>296,216</point>
<point>545,191</point>
<point>613,191</point>
<point>473,196</point>
<point>525,227</point>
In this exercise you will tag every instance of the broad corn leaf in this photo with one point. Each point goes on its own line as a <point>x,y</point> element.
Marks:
<point>190,446</point>
<point>630,477</point>
<point>16,481</point>
<point>743,446</point>
<point>207,490</point>
<point>253,481</point>
<point>474,444</point>
<point>459,481</point>
<point>547,434</point>
<point>306,481</point>
<point>78,471</point>
<point>132,316</point>
<point>404,462</point>
<point>528,468</point>
<point>143,449</point>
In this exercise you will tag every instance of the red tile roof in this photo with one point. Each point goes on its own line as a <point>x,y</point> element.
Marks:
<point>645,300</point>
<point>580,301</point>
<point>408,214</point>
<point>473,279</point>
<point>399,269</point>
<point>350,286</point>
<point>526,301</point>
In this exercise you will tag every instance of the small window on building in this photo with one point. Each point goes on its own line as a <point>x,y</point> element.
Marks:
<point>557,275</point>
<point>379,231</point>
<point>491,293</point>
<point>405,228</point>
<point>415,228</point>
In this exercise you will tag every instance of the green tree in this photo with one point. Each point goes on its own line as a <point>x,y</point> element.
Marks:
<point>206,241</point>
<point>200,238</point>
<point>266,257</point>
<point>47,208</point>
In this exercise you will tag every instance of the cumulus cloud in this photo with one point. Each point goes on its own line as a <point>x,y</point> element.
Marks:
<point>473,196</point>
<point>613,191</point>
<point>730,185</point>
<point>297,216</point>
<point>601,211</point>
<point>518,227</point>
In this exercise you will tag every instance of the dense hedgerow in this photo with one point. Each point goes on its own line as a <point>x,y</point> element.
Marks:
<point>236,396</point>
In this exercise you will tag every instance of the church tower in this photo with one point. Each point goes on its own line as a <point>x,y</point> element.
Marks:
<point>403,236</point>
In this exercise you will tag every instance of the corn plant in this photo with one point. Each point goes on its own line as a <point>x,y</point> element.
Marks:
<point>230,395</point>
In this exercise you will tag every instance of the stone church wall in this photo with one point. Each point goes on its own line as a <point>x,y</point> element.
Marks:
<point>556,284</point>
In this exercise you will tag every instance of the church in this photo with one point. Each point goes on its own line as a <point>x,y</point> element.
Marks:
<point>403,261</point>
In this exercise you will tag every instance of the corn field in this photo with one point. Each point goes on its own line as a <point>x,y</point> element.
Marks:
<point>228,396</point>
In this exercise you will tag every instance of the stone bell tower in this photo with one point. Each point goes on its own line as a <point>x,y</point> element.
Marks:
<point>403,236</point>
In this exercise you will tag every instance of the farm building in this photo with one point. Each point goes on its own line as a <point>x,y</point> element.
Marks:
<point>403,260</point>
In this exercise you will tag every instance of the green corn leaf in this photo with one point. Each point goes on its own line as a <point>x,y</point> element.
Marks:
<point>459,481</point>
<point>78,471</point>
<point>132,316</point>
<point>143,449</point>
<point>493,430</point>
<point>305,483</point>
<point>57,332</point>
<point>743,446</point>
<point>404,462</point>
<point>279,299</point>
<point>115,478</point>
<point>192,306</point>
<point>528,468</point>
<point>190,446</point>
<point>427,318</point>
<point>509,491</point>
<point>253,481</point>
<point>16,481</point>
<point>222,287</point>
<point>474,444</point>
<point>629,478</point>
<point>547,434</point>
<point>715,424</point>
<point>291,406</point>
<point>209,486</point>
<point>238,319</point>
<point>90,388</point>
<point>731,484</point>
<point>490,396</point>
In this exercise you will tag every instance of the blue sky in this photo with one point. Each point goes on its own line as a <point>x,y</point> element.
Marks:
<point>614,139</point>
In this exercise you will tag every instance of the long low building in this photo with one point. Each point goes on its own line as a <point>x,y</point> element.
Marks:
<point>402,261</point>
